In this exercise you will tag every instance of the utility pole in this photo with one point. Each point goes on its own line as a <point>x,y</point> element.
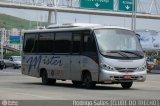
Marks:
<point>150,9</point>
<point>55,12</point>
<point>2,41</point>
<point>135,15</point>
<point>21,41</point>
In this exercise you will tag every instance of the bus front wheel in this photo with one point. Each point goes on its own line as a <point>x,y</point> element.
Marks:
<point>87,80</point>
<point>126,85</point>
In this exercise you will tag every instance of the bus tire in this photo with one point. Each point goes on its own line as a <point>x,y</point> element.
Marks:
<point>76,83</point>
<point>126,85</point>
<point>87,81</point>
<point>44,76</point>
<point>46,80</point>
<point>51,81</point>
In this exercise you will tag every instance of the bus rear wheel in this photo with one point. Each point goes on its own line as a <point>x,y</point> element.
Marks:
<point>87,81</point>
<point>126,85</point>
<point>46,80</point>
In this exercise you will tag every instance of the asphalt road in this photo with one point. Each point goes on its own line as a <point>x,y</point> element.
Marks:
<point>15,86</point>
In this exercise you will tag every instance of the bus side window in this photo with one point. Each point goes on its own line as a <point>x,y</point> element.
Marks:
<point>89,44</point>
<point>30,43</point>
<point>63,42</point>
<point>76,43</point>
<point>46,42</point>
<point>89,47</point>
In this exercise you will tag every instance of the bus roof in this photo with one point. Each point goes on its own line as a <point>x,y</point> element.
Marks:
<point>72,25</point>
<point>75,26</point>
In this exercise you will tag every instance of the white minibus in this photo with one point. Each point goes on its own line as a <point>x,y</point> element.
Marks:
<point>85,54</point>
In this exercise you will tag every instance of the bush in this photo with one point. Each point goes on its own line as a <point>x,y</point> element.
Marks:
<point>7,55</point>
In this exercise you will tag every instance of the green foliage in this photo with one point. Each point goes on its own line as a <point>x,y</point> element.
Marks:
<point>7,55</point>
<point>8,22</point>
<point>153,53</point>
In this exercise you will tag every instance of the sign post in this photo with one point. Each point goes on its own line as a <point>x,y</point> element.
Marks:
<point>135,15</point>
<point>129,6</point>
<point>97,4</point>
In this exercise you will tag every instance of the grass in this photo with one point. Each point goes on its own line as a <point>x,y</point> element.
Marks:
<point>8,22</point>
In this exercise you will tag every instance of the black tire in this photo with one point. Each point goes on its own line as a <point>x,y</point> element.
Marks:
<point>14,66</point>
<point>87,81</point>
<point>76,83</point>
<point>126,85</point>
<point>52,81</point>
<point>46,80</point>
<point>1,67</point>
<point>4,66</point>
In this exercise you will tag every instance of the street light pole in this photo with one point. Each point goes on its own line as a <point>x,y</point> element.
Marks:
<point>2,41</point>
<point>55,12</point>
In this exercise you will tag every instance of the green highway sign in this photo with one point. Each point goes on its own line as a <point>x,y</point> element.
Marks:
<point>126,5</point>
<point>14,39</point>
<point>97,4</point>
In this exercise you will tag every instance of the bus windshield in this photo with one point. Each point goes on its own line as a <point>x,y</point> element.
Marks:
<point>118,43</point>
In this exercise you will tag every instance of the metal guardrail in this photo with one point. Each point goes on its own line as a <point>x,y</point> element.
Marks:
<point>10,48</point>
<point>77,10</point>
<point>144,7</point>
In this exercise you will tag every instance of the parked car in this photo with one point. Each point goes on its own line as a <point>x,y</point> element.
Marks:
<point>13,61</point>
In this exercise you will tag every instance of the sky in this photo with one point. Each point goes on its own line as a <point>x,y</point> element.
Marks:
<point>141,24</point>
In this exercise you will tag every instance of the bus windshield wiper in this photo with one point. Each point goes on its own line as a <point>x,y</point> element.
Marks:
<point>119,52</point>
<point>131,52</point>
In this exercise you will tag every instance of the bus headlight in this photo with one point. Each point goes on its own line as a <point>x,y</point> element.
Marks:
<point>107,67</point>
<point>141,68</point>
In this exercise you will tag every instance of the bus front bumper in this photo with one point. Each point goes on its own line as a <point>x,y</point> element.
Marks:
<point>115,76</point>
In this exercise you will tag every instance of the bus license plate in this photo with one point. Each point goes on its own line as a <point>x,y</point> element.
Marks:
<point>127,77</point>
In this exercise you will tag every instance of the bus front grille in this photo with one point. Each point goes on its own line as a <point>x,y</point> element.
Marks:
<point>125,69</point>
<point>121,78</point>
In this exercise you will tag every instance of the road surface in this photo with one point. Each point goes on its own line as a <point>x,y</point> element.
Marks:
<point>15,86</point>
